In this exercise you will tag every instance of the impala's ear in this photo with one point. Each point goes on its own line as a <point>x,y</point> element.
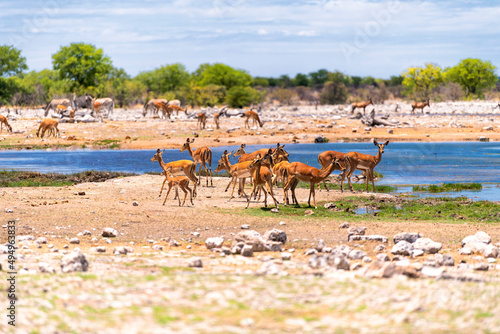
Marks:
<point>158,151</point>
<point>230,153</point>
<point>162,151</point>
<point>386,143</point>
<point>243,145</point>
<point>375,143</point>
<point>225,152</point>
<point>278,145</point>
<point>270,151</point>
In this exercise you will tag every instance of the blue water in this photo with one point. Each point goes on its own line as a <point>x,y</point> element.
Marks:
<point>402,163</point>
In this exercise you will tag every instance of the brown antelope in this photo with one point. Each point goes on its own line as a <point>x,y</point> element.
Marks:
<point>150,105</point>
<point>363,162</point>
<point>96,106</point>
<point>177,182</point>
<point>3,120</point>
<point>202,120</point>
<point>361,105</point>
<point>325,158</point>
<point>252,115</point>
<point>217,115</point>
<point>161,106</point>
<point>261,176</point>
<point>277,152</point>
<point>175,108</point>
<point>187,167</point>
<point>279,172</point>
<point>420,105</point>
<point>202,156</point>
<point>52,105</point>
<point>61,108</point>
<point>298,171</point>
<point>49,125</point>
<point>239,172</point>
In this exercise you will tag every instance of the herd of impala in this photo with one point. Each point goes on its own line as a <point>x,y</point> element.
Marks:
<point>264,168</point>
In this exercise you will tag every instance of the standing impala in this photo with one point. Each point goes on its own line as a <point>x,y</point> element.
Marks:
<point>325,158</point>
<point>298,171</point>
<point>420,105</point>
<point>177,182</point>
<point>361,105</point>
<point>261,176</point>
<point>202,156</point>
<point>252,115</point>
<point>239,172</point>
<point>187,167</point>
<point>363,162</point>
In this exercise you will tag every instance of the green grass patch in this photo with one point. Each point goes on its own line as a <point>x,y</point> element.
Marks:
<point>35,179</point>
<point>442,209</point>
<point>162,315</point>
<point>448,187</point>
<point>103,142</point>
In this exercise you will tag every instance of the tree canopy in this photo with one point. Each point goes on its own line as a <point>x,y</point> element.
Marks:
<point>419,81</point>
<point>473,75</point>
<point>11,61</point>
<point>221,75</point>
<point>84,64</point>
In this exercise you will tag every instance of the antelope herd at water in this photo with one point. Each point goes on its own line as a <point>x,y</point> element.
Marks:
<point>264,168</point>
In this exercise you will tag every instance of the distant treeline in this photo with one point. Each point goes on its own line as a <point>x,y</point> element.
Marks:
<point>81,68</point>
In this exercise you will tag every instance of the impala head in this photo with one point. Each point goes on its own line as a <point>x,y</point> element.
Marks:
<point>185,146</point>
<point>280,152</point>
<point>157,156</point>
<point>381,146</point>
<point>268,158</point>
<point>341,164</point>
<point>257,160</point>
<point>240,151</point>
<point>370,100</point>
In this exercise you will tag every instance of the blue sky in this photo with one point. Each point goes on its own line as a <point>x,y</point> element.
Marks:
<point>266,38</point>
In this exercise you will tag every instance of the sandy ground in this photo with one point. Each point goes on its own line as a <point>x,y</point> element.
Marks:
<point>153,291</point>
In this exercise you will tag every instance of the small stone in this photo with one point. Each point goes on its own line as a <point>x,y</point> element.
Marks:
<point>215,242</point>
<point>286,256</point>
<point>275,210</point>
<point>157,247</point>
<point>42,240</point>
<point>74,241</point>
<point>109,232</point>
<point>379,248</point>
<point>86,232</point>
<point>444,260</point>
<point>44,267</point>
<point>135,203</point>
<point>366,259</point>
<point>54,250</point>
<point>390,131</point>
<point>427,245</point>
<point>275,235</point>
<point>75,261</point>
<point>320,245</point>
<point>464,251</point>
<point>330,206</point>
<point>282,223</point>
<point>383,257</point>
<point>245,227</point>
<point>311,251</point>
<point>356,230</point>
<point>478,237</point>
<point>481,266</point>
<point>356,254</point>
<point>416,253</point>
<point>344,225</point>
<point>308,212</point>
<point>402,248</point>
<point>109,241</point>
<point>100,249</point>
<point>409,237</point>
<point>173,243</point>
<point>338,261</point>
<point>247,251</point>
<point>195,263</point>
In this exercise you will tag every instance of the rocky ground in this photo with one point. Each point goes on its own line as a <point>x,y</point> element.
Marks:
<point>127,129</point>
<point>111,255</point>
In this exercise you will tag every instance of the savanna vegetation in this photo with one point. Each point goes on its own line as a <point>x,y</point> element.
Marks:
<point>81,68</point>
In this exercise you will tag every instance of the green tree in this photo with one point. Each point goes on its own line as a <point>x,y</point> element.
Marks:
<point>419,81</point>
<point>11,61</point>
<point>333,93</point>
<point>318,78</point>
<point>239,96</point>
<point>221,75</point>
<point>473,75</point>
<point>84,64</point>
<point>300,80</point>
<point>167,78</point>
<point>261,82</point>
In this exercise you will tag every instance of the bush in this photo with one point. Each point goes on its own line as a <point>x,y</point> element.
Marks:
<point>239,97</point>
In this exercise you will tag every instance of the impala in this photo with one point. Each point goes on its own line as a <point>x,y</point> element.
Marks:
<point>52,105</point>
<point>202,120</point>
<point>202,156</point>
<point>298,171</point>
<point>217,115</point>
<point>239,172</point>
<point>325,158</point>
<point>252,115</point>
<point>361,105</point>
<point>3,120</point>
<point>187,167</point>
<point>49,125</point>
<point>177,182</point>
<point>261,176</point>
<point>150,105</point>
<point>363,162</point>
<point>278,152</point>
<point>420,105</point>
<point>161,106</point>
<point>175,108</point>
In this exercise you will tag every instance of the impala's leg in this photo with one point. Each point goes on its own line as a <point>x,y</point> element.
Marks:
<point>269,185</point>
<point>190,193</point>
<point>311,191</point>
<point>199,175</point>
<point>185,194</point>
<point>234,185</point>
<point>248,198</point>
<point>177,194</point>
<point>233,179</point>
<point>162,185</point>
<point>373,180</point>
<point>294,197</point>
<point>168,192</point>
<point>210,166</point>
<point>242,187</point>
